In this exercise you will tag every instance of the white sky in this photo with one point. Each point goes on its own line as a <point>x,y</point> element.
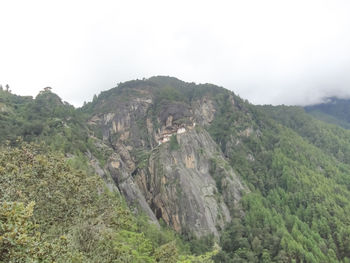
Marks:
<point>281,51</point>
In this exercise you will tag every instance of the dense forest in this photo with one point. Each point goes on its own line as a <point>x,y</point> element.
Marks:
<point>56,208</point>
<point>332,110</point>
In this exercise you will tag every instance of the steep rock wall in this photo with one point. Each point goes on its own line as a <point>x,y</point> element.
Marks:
<point>179,186</point>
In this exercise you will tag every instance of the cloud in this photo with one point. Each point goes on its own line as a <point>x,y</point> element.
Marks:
<point>291,52</point>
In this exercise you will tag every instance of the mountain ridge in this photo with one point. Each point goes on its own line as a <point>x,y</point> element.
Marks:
<point>270,183</point>
<point>333,110</point>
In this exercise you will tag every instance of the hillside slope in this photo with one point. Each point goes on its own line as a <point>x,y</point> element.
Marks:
<point>269,183</point>
<point>333,110</point>
<point>163,155</point>
<point>51,212</point>
<point>291,183</point>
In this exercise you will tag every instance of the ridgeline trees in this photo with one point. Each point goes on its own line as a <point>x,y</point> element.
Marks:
<point>54,208</point>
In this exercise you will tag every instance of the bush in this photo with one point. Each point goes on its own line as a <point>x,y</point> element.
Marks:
<point>174,144</point>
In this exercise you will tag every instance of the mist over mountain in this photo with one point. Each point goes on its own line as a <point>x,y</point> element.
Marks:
<point>333,110</point>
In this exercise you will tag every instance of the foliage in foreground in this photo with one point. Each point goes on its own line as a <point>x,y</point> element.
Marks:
<point>50,212</point>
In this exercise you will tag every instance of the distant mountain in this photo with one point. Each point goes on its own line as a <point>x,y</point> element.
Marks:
<point>332,110</point>
<point>266,183</point>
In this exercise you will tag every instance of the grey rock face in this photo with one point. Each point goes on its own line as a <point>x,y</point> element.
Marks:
<point>181,190</point>
<point>189,186</point>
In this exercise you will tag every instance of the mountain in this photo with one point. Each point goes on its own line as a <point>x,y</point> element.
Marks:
<point>267,183</point>
<point>54,206</point>
<point>332,110</point>
<point>164,160</point>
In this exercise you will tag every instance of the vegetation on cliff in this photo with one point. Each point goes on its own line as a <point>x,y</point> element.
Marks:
<point>296,167</point>
<point>299,176</point>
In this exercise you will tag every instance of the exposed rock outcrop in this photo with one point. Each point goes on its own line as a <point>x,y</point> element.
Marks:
<point>180,188</point>
<point>176,184</point>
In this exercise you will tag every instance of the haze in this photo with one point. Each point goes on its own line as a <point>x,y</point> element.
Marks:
<point>269,52</point>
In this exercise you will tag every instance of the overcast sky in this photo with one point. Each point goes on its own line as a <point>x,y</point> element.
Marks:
<point>274,52</point>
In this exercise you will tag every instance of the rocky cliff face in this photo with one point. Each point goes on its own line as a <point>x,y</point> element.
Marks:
<point>164,161</point>
<point>181,190</point>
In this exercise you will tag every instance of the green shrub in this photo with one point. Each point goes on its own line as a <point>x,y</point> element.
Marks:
<point>174,144</point>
